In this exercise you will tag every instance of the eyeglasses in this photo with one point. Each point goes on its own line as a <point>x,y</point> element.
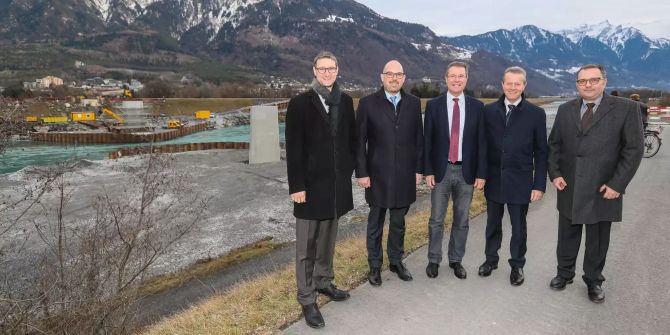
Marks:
<point>323,70</point>
<point>453,76</point>
<point>392,75</point>
<point>592,81</point>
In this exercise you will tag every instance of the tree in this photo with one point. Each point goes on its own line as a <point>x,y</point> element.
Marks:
<point>158,89</point>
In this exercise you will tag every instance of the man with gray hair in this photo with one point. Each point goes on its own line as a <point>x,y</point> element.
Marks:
<point>454,162</point>
<point>595,148</point>
<point>516,138</point>
<point>320,142</point>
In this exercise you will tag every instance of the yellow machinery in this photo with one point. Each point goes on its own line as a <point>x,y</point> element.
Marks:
<point>109,112</point>
<point>54,119</point>
<point>174,124</point>
<point>203,115</point>
<point>128,93</point>
<point>31,118</point>
<point>82,116</point>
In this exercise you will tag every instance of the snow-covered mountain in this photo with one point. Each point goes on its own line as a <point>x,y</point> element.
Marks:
<point>632,58</point>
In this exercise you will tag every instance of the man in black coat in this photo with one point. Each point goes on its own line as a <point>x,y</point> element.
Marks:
<point>320,142</point>
<point>595,148</point>
<point>516,146</point>
<point>389,165</point>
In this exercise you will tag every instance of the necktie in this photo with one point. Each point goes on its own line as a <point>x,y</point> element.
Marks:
<point>509,112</point>
<point>455,130</point>
<point>588,116</point>
<point>393,101</point>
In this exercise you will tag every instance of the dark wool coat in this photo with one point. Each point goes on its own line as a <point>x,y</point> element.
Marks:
<point>516,152</point>
<point>390,148</point>
<point>608,152</point>
<point>315,161</point>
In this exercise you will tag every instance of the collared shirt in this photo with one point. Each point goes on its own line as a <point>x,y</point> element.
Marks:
<point>507,103</point>
<point>584,107</point>
<point>397,95</point>
<point>450,112</point>
<point>323,101</point>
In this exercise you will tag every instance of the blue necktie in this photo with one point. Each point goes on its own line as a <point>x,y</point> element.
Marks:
<point>393,101</point>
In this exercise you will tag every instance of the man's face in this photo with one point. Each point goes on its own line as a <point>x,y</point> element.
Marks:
<point>393,77</point>
<point>456,79</point>
<point>325,72</point>
<point>513,85</point>
<point>590,84</point>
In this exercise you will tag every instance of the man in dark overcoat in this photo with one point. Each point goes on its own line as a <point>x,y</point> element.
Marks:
<point>595,148</point>
<point>516,135</point>
<point>320,143</point>
<point>389,165</point>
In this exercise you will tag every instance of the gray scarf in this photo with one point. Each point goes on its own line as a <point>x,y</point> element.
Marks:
<point>332,99</point>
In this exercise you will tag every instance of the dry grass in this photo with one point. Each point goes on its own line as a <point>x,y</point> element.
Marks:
<point>267,303</point>
<point>209,266</point>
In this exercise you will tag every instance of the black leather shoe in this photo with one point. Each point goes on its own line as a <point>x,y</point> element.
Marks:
<point>401,271</point>
<point>559,283</point>
<point>313,316</point>
<point>516,276</point>
<point>375,277</point>
<point>334,293</point>
<point>486,269</point>
<point>431,270</point>
<point>596,294</point>
<point>459,270</point>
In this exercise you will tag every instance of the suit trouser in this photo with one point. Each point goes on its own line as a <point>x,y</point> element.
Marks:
<point>395,246</point>
<point>596,245</point>
<point>314,251</point>
<point>517,245</point>
<point>454,185</point>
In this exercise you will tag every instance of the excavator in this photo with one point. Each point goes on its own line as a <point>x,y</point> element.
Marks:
<point>108,111</point>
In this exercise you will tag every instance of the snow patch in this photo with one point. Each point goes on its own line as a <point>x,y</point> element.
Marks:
<point>337,19</point>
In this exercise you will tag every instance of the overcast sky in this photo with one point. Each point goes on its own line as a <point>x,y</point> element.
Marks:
<point>472,17</point>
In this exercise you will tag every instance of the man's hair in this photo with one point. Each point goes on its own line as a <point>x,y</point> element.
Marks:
<point>515,70</point>
<point>593,66</point>
<point>325,54</point>
<point>635,97</point>
<point>457,64</point>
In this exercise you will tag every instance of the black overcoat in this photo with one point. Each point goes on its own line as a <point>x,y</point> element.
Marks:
<point>608,152</point>
<point>390,148</point>
<point>516,152</point>
<point>316,162</point>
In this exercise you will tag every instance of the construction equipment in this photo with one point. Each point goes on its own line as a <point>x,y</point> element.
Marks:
<point>108,111</point>
<point>31,118</point>
<point>54,119</point>
<point>82,116</point>
<point>128,92</point>
<point>203,115</point>
<point>174,124</point>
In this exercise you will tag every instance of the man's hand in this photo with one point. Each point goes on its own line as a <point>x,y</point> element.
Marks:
<point>363,182</point>
<point>536,195</point>
<point>609,193</point>
<point>299,197</point>
<point>559,183</point>
<point>430,181</point>
<point>479,184</point>
<point>419,178</point>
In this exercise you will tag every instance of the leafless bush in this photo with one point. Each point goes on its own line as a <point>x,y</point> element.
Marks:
<point>85,278</point>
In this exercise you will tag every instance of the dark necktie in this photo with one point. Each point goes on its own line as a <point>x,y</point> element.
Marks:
<point>510,108</point>
<point>588,116</point>
<point>455,130</point>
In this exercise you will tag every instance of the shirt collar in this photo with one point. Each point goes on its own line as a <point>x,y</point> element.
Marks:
<point>597,101</point>
<point>450,97</point>
<point>516,103</point>
<point>389,95</point>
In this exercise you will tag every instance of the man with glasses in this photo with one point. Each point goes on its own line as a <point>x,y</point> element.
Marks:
<point>389,165</point>
<point>320,140</point>
<point>595,148</point>
<point>454,162</point>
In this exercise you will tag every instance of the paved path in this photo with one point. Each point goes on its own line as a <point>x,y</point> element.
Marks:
<point>637,272</point>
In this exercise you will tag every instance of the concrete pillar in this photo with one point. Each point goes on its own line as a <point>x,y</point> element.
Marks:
<point>264,147</point>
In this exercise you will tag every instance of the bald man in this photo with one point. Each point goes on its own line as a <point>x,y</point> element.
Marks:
<point>389,165</point>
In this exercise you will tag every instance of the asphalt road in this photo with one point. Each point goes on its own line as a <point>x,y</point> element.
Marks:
<point>637,290</point>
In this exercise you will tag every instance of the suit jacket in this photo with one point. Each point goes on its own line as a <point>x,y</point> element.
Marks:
<point>436,139</point>
<point>390,148</point>
<point>316,162</point>
<point>516,152</point>
<point>608,152</point>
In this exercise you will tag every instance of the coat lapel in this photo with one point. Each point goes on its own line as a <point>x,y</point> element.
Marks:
<point>575,109</point>
<point>386,105</point>
<point>316,101</point>
<point>606,106</point>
